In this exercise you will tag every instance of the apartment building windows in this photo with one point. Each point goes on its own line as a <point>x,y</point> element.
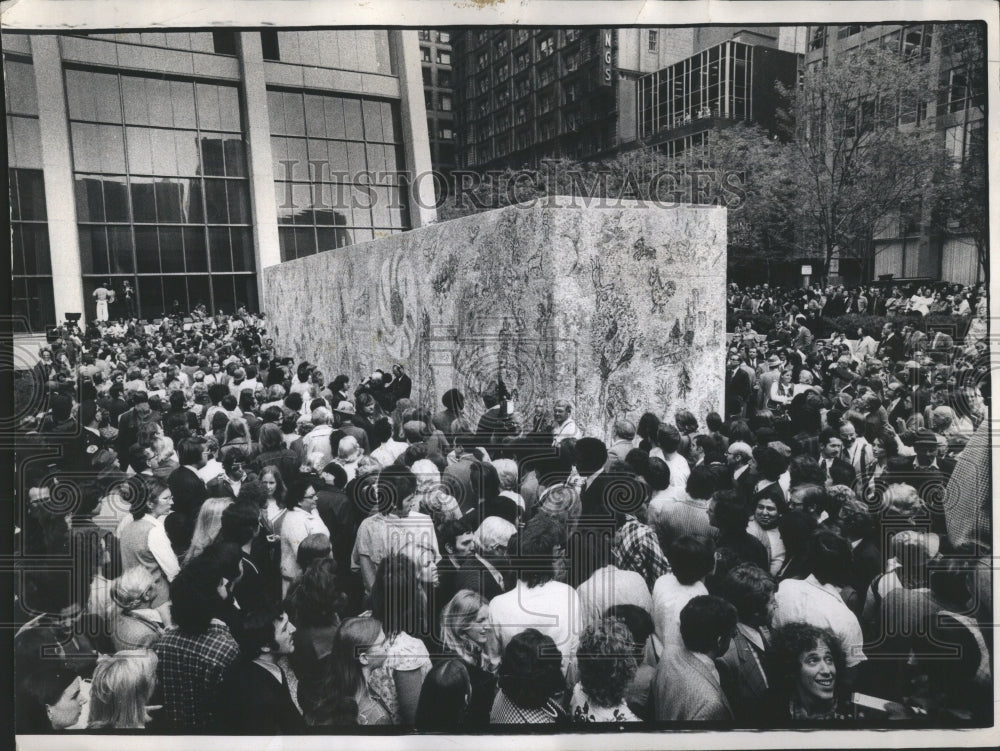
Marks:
<point>425,54</point>
<point>443,57</point>
<point>653,40</point>
<point>546,46</point>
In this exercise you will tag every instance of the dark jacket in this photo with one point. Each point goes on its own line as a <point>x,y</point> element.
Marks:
<point>253,702</point>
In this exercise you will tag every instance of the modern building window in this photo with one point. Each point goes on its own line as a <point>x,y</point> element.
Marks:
<point>446,103</point>
<point>443,57</point>
<point>818,38</point>
<point>424,35</point>
<point>848,31</point>
<point>653,40</point>
<point>224,42</point>
<point>428,100</point>
<point>426,72</point>
<point>958,90</point>
<point>572,35</point>
<point>32,299</point>
<point>444,37</point>
<point>336,165</point>
<point>269,44</point>
<point>425,54</point>
<point>162,193</point>
<point>444,78</point>
<point>446,133</point>
<point>545,46</point>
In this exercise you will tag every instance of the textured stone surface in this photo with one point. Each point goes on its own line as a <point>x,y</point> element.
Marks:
<point>618,310</point>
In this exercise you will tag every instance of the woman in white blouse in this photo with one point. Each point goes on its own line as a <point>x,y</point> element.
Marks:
<point>300,521</point>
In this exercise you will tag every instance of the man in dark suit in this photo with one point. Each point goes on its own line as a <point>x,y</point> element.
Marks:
<point>750,590</point>
<point>837,470</point>
<point>738,386</point>
<point>687,686</point>
<point>130,422</point>
<point>892,345</point>
<point>600,503</point>
<point>254,696</point>
<point>189,492</point>
<point>401,384</point>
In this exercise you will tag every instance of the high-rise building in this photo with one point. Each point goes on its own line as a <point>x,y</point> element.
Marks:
<point>728,83</point>
<point>186,162</point>
<point>909,244</point>
<point>529,94</point>
<point>439,97</point>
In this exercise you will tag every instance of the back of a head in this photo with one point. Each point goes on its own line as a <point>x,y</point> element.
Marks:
<point>444,696</point>
<point>749,589</point>
<point>624,429</point>
<point>591,455</point>
<point>240,522</point>
<point>194,599</point>
<point>691,559</point>
<point>770,463</point>
<point>702,482</point>
<point>531,669</point>
<point>668,438</point>
<point>657,473</point>
<point>638,621</point>
<point>829,556</point>
<point>729,512</point>
<point>706,620</point>
<point>395,484</point>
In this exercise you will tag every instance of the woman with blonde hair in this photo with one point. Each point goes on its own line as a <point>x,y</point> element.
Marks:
<point>207,526</point>
<point>132,621</point>
<point>466,632</point>
<point>120,689</point>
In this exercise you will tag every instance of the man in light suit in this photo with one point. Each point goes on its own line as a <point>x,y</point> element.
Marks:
<point>687,685</point>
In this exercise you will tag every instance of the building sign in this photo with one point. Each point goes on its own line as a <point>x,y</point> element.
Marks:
<point>807,270</point>
<point>607,44</point>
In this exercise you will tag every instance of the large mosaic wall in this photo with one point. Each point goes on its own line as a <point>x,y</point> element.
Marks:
<point>617,310</point>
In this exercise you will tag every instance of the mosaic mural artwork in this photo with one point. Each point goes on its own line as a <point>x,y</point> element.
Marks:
<point>617,310</point>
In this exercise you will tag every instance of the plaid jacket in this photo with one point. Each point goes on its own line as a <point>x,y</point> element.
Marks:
<point>190,670</point>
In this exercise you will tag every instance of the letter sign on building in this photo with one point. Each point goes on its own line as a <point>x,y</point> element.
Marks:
<point>607,36</point>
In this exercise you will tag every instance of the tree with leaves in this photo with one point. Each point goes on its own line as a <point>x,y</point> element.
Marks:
<point>853,160</point>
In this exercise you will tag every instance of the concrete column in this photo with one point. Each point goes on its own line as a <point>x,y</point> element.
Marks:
<point>57,169</point>
<point>413,114</point>
<point>267,250</point>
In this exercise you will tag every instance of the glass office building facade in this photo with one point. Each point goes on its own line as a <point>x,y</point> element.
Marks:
<point>196,159</point>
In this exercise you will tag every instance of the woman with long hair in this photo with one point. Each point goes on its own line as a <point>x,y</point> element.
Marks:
<point>120,690</point>
<point>466,633</point>
<point>400,602</point>
<point>237,436</point>
<point>273,482</point>
<point>342,696</point>
<point>207,526</point>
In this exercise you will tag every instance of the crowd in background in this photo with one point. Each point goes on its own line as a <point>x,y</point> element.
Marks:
<point>218,538</point>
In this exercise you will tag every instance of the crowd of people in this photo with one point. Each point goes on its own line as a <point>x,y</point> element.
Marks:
<point>220,539</point>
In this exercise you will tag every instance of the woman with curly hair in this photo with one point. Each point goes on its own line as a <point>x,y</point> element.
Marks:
<point>130,618</point>
<point>607,664</point>
<point>465,631</point>
<point>802,664</point>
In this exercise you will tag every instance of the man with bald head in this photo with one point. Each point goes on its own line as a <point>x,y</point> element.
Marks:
<point>565,424</point>
<point>624,434</point>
